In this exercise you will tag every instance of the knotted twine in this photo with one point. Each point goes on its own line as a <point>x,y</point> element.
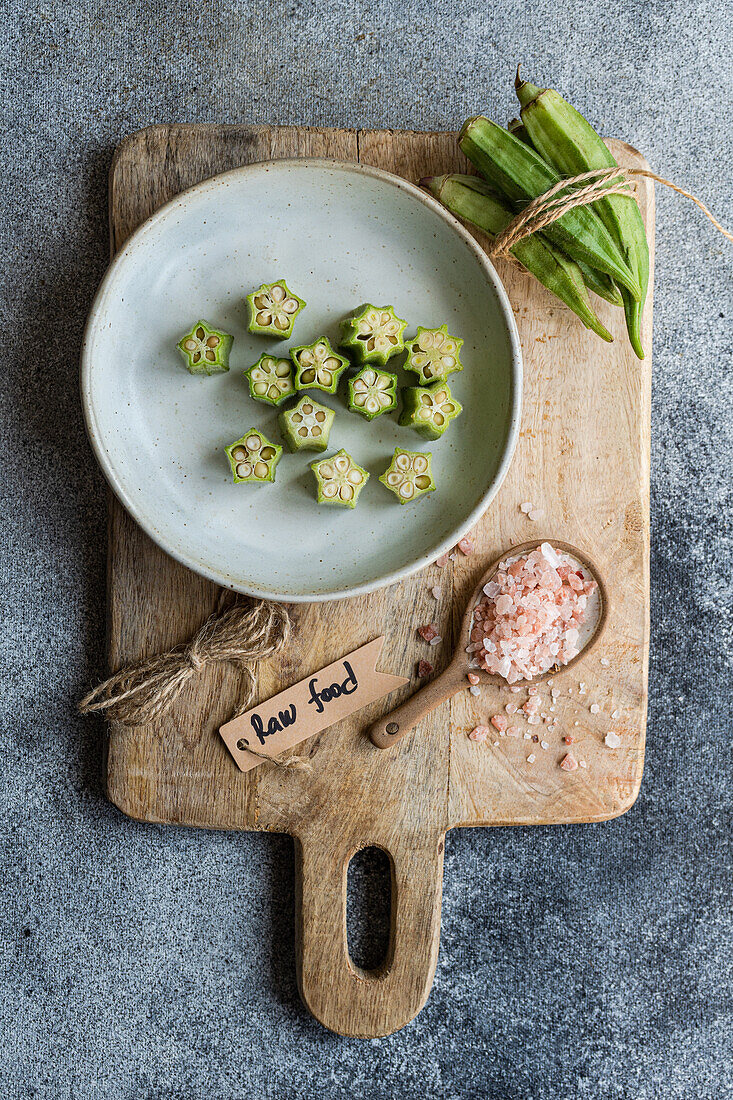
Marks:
<point>242,634</point>
<point>568,194</point>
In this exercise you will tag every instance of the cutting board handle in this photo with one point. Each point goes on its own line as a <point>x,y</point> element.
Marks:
<point>346,999</point>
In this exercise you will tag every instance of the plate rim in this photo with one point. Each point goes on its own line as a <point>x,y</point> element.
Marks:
<point>133,243</point>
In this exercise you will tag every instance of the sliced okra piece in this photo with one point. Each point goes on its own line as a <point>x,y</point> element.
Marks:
<point>373,334</point>
<point>429,409</point>
<point>271,380</point>
<point>205,349</point>
<point>253,457</point>
<point>273,309</point>
<point>307,426</point>
<point>433,354</point>
<point>409,475</point>
<point>339,479</point>
<point>318,366</point>
<point>372,392</point>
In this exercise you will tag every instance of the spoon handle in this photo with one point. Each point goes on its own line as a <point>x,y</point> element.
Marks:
<point>392,727</point>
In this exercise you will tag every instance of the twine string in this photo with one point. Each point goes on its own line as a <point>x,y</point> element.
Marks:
<point>581,190</point>
<point>242,633</point>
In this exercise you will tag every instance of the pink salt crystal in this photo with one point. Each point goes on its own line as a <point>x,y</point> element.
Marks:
<point>452,557</point>
<point>465,546</point>
<point>544,744</point>
<point>536,513</point>
<point>594,708</point>
<point>582,763</point>
<point>424,669</point>
<point>526,507</point>
<point>605,662</point>
<point>436,592</point>
<point>428,632</point>
<point>615,714</point>
<point>511,708</point>
<point>436,640</point>
<point>479,733</point>
<point>475,690</point>
<point>612,740</point>
<point>441,561</point>
<point>512,731</point>
<point>534,719</point>
<point>532,705</point>
<point>569,763</point>
<point>473,678</point>
<point>533,690</point>
<point>531,758</point>
<point>499,722</point>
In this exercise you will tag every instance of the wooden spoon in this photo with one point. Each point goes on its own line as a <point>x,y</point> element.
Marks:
<point>392,727</point>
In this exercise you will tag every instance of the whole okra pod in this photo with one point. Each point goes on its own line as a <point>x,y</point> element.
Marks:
<point>520,174</point>
<point>569,143</point>
<point>473,200</point>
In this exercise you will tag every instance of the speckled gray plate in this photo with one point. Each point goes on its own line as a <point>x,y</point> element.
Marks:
<point>341,235</point>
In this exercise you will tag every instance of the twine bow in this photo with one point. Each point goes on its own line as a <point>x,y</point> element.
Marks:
<point>581,190</point>
<point>242,634</point>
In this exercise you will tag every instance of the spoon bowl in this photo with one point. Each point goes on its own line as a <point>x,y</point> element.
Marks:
<point>392,727</point>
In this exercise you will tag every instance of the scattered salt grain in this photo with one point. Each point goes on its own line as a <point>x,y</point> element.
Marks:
<point>424,668</point>
<point>536,513</point>
<point>605,662</point>
<point>615,714</point>
<point>452,557</point>
<point>544,744</point>
<point>569,739</point>
<point>582,763</point>
<point>436,592</point>
<point>531,758</point>
<point>496,743</point>
<point>527,736</point>
<point>612,740</point>
<point>428,632</point>
<point>534,719</point>
<point>569,763</point>
<point>465,546</point>
<point>594,708</point>
<point>473,678</point>
<point>513,731</point>
<point>475,690</point>
<point>479,733</point>
<point>526,507</point>
<point>441,561</point>
<point>515,690</point>
<point>581,688</point>
<point>498,721</point>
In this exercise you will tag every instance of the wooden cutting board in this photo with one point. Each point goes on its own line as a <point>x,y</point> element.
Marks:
<point>583,457</point>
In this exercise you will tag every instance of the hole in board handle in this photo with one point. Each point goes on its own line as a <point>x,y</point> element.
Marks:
<point>369,909</point>
<point>392,727</point>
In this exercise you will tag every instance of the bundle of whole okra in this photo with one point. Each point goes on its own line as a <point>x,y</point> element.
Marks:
<point>601,247</point>
<point>372,335</point>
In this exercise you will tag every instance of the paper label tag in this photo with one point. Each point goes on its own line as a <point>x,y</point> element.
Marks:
<point>309,706</point>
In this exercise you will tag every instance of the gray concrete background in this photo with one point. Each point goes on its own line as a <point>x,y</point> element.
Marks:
<point>142,962</point>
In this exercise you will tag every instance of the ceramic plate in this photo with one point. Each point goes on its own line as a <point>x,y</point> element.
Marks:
<point>341,235</point>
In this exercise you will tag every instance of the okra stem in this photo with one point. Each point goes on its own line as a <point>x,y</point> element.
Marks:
<point>521,174</point>
<point>473,200</point>
<point>569,143</point>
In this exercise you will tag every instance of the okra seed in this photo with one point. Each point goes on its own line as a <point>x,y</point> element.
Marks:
<point>200,333</point>
<point>439,420</point>
<point>308,376</point>
<point>320,417</point>
<point>282,322</point>
<point>326,471</point>
<point>277,293</point>
<point>302,432</point>
<point>346,492</point>
<point>264,318</point>
<point>282,370</point>
<point>330,489</point>
<point>394,478</point>
<point>402,462</point>
<point>325,377</point>
<point>260,469</point>
<point>315,431</point>
<point>267,453</point>
<point>448,361</point>
<point>341,464</point>
<point>273,393</point>
<point>197,357</point>
<point>190,345</point>
<point>238,454</point>
<point>244,469</point>
<point>420,464</point>
<point>422,481</point>
<point>355,477</point>
<point>211,356</point>
<point>406,489</point>
<point>252,442</point>
<point>213,342</point>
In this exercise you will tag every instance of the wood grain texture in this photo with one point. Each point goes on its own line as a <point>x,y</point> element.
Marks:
<point>583,455</point>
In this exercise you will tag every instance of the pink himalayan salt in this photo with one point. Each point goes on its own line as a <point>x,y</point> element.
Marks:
<point>569,763</point>
<point>441,561</point>
<point>428,632</point>
<point>532,705</point>
<point>465,546</point>
<point>479,733</point>
<point>473,678</point>
<point>528,617</point>
<point>424,668</point>
<point>499,722</point>
<point>612,740</point>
